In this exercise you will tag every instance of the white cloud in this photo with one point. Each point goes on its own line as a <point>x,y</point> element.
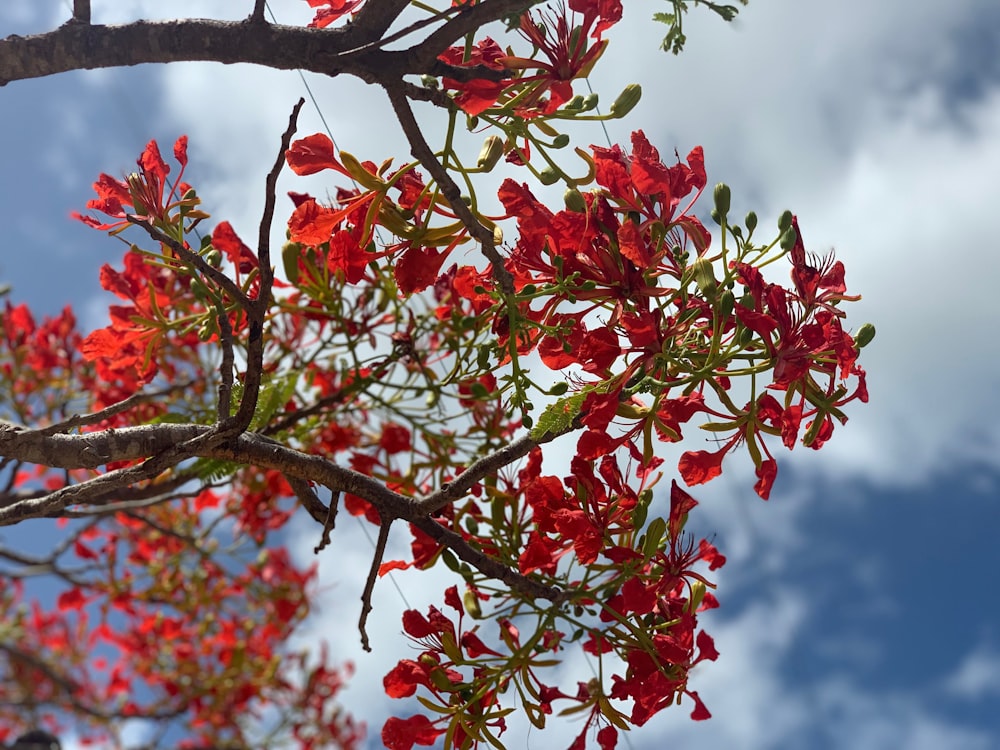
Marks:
<point>978,676</point>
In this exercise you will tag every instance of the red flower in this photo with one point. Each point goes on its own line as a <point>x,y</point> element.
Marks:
<point>403,734</point>
<point>143,191</point>
<point>566,50</point>
<point>337,9</point>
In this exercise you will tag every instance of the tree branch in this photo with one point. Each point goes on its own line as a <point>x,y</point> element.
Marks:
<point>366,595</point>
<point>422,152</point>
<point>487,565</point>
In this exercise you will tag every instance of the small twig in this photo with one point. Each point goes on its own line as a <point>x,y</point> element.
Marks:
<point>188,256</point>
<point>81,11</point>
<point>226,367</point>
<point>484,467</point>
<point>264,235</point>
<point>109,411</point>
<point>366,596</point>
<point>424,94</point>
<point>257,16</point>
<point>329,523</point>
<point>257,309</point>
<point>321,513</point>
<point>422,152</point>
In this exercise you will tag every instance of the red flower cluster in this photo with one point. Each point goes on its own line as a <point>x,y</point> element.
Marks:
<point>566,42</point>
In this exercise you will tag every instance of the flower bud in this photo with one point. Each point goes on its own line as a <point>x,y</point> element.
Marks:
<point>787,240</point>
<point>704,277</point>
<point>290,252</point>
<point>626,100</point>
<point>490,153</point>
<point>471,602</point>
<point>576,103</point>
<point>785,220</point>
<point>560,141</point>
<point>575,201</point>
<point>751,221</point>
<point>559,388</point>
<point>589,101</point>
<point>864,335</point>
<point>548,176</point>
<point>723,197</point>
<point>727,302</point>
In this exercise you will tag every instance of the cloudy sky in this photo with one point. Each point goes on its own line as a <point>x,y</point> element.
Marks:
<point>860,602</point>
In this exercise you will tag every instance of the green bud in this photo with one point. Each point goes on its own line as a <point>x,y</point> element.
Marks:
<point>785,221</point>
<point>290,252</point>
<point>704,277</point>
<point>214,258</point>
<point>559,388</point>
<point>744,337</point>
<point>626,100</point>
<point>576,103</point>
<point>726,304</point>
<point>864,335</point>
<point>548,176</point>
<point>490,153</point>
<point>723,197</point>
<point>441,681</point>
<point>471,602</point>
<point>716,216</point>
<point>589,101</point>
<point>788,239</point>
<point>751,221</point>
<point>560,141</point>
<point>575,201</point>
<point>429,82</point>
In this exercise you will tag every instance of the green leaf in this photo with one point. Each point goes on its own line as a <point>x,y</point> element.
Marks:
<point>558,417</point>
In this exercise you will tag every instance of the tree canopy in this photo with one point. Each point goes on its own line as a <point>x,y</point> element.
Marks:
<point>410,356</point>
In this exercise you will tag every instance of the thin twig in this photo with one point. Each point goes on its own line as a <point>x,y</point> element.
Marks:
<point>366,596</point>
<point>95,417</point>
<point>422,152</point>
<point>329,523</point>
<point>226,366</point>
<point>257,309</point>
<point>257,16</point>
<point>81,11</point>
<point>192,258</point>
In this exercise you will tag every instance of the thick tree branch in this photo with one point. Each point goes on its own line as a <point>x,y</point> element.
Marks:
<point>79,46</point>
<point>350,49</point>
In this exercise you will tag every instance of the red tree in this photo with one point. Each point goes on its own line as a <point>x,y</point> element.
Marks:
<point>392,369</point>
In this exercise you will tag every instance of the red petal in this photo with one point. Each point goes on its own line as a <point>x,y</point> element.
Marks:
<point>312,154</point>
<point>180,150</point>
<point>417,268</point>
<point>698,467</point>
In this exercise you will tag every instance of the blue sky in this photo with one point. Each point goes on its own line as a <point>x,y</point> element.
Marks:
<point>859,603</point>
